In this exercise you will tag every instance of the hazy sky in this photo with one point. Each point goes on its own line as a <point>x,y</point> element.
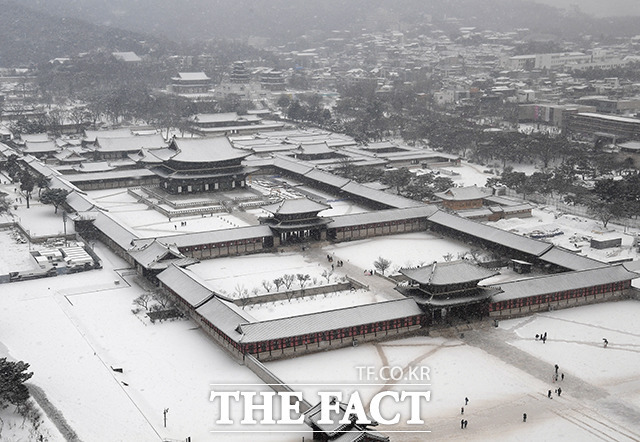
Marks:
<point>599,8</point>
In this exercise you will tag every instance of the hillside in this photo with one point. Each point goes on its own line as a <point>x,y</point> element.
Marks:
<point>29,36</point>
<point>284,20</point>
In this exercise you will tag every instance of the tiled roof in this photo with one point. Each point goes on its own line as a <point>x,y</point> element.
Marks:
<point>491,234</point>
<point>562,281</point>
<point>381,216</point>
<point>570,260</point>
<point>329,320</point>
<point>186,284</point>
<point>296,205</point>
<point>202,150</point>
<point>217,236</point>
<point>444,273</point>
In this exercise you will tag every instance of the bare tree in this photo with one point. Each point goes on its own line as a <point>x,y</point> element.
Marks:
<point>287,280</point>
<point>303,279</point>
<point>143,301</point>
<point>326,274</point>
<point>278,282</point>
<point>267,285</point>
<point>382,264</point>
<point>162,299</point>
<point>242,294</point>
<point>448,257</point>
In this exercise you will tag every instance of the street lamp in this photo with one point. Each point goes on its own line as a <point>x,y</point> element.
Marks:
<point>166,410</point>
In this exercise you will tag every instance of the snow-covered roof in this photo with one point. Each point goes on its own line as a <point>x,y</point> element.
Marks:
<point>570,260</point>
<point>192,76</point>
<point>563,281</point>
<point>130,143</point>
<point>93,166</point>
<point>379,196</point>
<point>290,165</point>
<point>491,234</point>
<point>224,315</point>
<point>79,202</point>
<point>126,56</point>
<point>114,230</point>
<point>156,255</point>
<point>296,205</point>
<point>611,117</point>
<point>201,150</point>
<point>444,273</point>
<point>109,175</point>
<point>186,284</point>
<point>225,117</point>
<point>464,193</point>
<point>40,146</point>
<point>327,178</point>
<point>35,138</point>
<point>315,149</point>
<point>381,216</point>
<point>329,320</point>
<point>92,135</point>
<point>218,236</point>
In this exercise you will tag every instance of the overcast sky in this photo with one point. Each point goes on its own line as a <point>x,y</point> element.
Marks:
<point>599,8</point>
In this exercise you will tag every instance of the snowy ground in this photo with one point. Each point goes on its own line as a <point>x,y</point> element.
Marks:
<point>13,427</point>
<point>576,233</point>
<point>147,222</point>
<point>575,344</point>
<point>312,304</point>
<point>74,332</point>
<point>15,255</point>
<point>404,250</point>
<point>226,275</point>
<point>600,398</point>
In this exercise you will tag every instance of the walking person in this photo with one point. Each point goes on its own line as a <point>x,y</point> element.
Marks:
<point>461,424</point>
<point>465,423</point>
<point>466,401</point>
<point>562,377</point>
<point>462,410</point>
<point>606,342</point>
<point>524,417</point>
<point>559,391</point>
<point>549,394</point>
<point>556,366</point>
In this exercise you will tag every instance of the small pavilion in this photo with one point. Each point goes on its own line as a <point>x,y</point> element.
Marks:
<point>297,220</point>
<point>446,289</point>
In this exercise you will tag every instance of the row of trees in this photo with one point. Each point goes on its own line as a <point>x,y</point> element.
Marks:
<point>18,172</point>
<point>404,182</point>
<point>308,108</point>
<point>284,282</point>
<point>609,198</point>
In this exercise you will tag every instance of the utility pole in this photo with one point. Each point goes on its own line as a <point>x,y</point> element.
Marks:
<point>64,221</point>
<point>166,410</point>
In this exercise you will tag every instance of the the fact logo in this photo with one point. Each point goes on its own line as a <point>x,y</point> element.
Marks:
<point>331,411</point>
<point>335,406</point>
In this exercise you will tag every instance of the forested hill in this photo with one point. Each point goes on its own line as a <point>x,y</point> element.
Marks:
<point>29,37</point>
<point>286,20</point>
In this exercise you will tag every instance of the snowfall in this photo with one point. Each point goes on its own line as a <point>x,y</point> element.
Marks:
<point>78,332</point>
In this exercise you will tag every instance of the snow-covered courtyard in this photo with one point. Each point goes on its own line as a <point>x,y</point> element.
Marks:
<point>574,233</point>
<point>405,250</point>
<point>600,391</point>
